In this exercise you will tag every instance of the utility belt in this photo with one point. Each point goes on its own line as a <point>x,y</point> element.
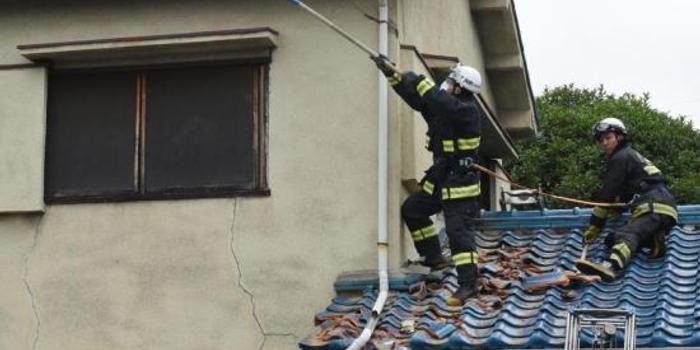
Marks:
<point>462,163</point>
<point>453,177</point>
<point>652,201</point>
<point>655,208</point>
<point>656,200</point>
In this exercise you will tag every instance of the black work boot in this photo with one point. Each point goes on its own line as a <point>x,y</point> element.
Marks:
<point>607,270</point>
<point>463,293</point>
<point>431,251</point>
<point>467,275</point>
<point>436,264</point>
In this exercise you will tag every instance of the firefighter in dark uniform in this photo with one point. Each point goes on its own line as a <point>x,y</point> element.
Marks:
<point>629,178</point>
<point>450,184</point>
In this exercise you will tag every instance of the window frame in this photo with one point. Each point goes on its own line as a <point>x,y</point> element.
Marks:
<point>260,115</point>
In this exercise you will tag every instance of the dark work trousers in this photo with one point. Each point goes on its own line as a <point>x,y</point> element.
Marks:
<point>639,232</point>
<point>459,224</point>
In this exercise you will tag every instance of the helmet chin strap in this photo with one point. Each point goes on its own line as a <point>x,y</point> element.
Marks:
<point>444,86</point>
<point>465,95</point>
<point>457,91</point>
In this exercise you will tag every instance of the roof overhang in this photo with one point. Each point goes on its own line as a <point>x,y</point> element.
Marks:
<point>495,141</point>
<point>167,48</point>
<point>505,65</point>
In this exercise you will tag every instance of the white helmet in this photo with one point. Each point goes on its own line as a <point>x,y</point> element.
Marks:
<point>467,77</point>
<point>608,125</point>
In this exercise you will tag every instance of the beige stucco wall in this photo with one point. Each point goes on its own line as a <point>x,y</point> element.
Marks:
<point>216,273</point>
<point>22,125</point>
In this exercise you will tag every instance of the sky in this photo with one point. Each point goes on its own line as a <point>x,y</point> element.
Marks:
<point>632,46</point>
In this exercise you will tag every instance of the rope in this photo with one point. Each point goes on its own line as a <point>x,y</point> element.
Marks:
<point>561,198</point>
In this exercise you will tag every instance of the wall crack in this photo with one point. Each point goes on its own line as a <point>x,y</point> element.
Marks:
<point>27,286</point>
<point>246,291</point>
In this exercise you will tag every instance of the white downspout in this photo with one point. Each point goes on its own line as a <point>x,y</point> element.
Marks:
<point>382,184</point>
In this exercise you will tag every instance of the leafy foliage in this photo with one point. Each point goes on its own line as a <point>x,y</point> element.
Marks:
<point>565,159</point>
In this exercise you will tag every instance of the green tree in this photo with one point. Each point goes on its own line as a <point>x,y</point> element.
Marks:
<point>565,160</point>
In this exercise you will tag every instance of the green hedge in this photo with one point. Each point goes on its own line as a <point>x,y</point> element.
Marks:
<point>566,160</point>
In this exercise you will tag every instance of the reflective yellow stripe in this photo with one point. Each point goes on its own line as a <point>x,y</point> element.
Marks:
<point>617,260</point>
<point>613,214</point>
<point>658,208</point>
<point>424,233</point>
<point>429,232</point>
<point>462,144</point>
<point>468,144</point>
<point>624,250</point>
<point>651,169</point>
<point>465,258</point>
<point>666,210</point>
<point>461,192</point>
<point>428,187</point>
<point>448,145</point>
<point>394,79</point>
<point>424,86</point>
<point>600,212</point>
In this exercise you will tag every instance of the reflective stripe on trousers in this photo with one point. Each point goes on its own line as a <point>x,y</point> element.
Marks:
<point>424,233</point>
<point>621,254</point>
<point>465,258</point>
<point>428,187</point>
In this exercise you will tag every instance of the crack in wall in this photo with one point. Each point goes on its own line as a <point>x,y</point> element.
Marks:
<point>245,290</point>
<point>32,297</point>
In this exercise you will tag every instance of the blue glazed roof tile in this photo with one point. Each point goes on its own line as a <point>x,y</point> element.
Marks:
<point>663,293</point>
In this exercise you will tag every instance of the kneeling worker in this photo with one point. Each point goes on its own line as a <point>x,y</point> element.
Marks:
<point>629,178</point>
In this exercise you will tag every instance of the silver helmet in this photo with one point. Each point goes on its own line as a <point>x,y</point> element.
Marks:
<point>608,125</point>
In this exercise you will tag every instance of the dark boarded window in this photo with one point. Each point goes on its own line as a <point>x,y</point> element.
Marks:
<point>179,132</point>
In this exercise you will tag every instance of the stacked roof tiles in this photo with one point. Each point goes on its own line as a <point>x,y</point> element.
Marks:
<point>663,293</point>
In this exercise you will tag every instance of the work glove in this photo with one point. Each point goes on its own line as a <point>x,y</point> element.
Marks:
<point>613,214</point>
<point>383,64</point>
<point>590,234</point>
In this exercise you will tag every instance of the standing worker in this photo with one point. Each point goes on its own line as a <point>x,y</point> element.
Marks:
<point>629,178</point>
<point>450,184</point>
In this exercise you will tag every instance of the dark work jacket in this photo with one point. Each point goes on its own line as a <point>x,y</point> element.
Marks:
<point>631,177</point>
<point>454,131</point>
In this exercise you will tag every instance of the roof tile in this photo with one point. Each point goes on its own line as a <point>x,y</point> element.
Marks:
<point>663,293</point>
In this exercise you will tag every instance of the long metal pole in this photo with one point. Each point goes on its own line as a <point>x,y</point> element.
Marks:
<point>339,30</point>
<point>332,25</point>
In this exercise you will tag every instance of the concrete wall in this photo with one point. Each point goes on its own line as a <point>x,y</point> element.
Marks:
<point>216,273</point>
<point>22,126</point>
